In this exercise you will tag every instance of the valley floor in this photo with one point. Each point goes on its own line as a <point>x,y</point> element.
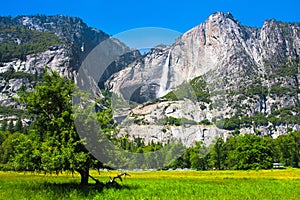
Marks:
<point>263,184</point>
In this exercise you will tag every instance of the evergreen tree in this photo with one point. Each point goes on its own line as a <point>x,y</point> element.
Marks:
<point>19,126</point>
<point>10,127</point>
<point>217,154</point>
<point>4,125</point>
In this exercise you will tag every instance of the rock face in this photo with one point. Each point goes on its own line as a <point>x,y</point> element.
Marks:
<point>76,42</point>
<point>250,75</point>
<point>55,58</point>
<point>154,122</point>
<point>248,71</point>
<point>163,134</point>
<point>221,47</point>
<point>140,81</point>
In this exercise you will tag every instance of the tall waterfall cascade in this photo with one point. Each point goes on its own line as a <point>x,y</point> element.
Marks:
<point>164,78</point>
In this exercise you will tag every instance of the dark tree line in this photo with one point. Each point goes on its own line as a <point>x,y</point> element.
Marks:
<point>13,126</point>
<point>243,152</point>
<point>19,41</point>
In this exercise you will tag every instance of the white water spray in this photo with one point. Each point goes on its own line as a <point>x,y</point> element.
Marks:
<point>164,78</point>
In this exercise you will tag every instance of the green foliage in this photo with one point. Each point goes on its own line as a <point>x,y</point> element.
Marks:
<point>173,121</point>
<point>10,110</point>
<point>52,144</point>
<point>194,157</point>
<point>3,137</point>
<point>250,152</point>
<point>151,155</point>
<point>260,119</point>
<point>285,68</point>
<point>12,74</point>
<point>281,91</point>
<point>4,125</point>
<point>288,149</point>
<point>171,96</point>
<point>13,126</point>
<point>232,123</point>
<point>286,115</point>
<point>243,152</point>
<point>195,90</point>
<point>205,122</point>
<point>200,88</point>
<point>10,127</point>
<point>217,154</point>
<point>256,89</point>
<point>19,41</point>
<point>9,145</point>
<point>19,126</point>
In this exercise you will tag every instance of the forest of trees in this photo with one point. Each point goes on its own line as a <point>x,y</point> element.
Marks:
<point>19,41</point>
<point>196,90</point>
<point>240,152</point>
<point>243,152</point>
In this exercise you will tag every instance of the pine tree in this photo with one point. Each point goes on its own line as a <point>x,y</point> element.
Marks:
<point>11,126</point>
<point>19,126</point>
<point>4,125</point>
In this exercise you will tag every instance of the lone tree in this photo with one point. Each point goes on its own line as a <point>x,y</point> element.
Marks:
<point>52,144</point>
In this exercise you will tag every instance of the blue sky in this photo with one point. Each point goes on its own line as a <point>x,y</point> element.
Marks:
<point>117,16</point>
<point>114,17</point>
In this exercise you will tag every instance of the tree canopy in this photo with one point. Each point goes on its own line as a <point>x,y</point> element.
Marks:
<point>243,152</point>
<point>52,144</point>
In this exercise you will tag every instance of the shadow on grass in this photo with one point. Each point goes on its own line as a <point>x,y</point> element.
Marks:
<point>61,189</point>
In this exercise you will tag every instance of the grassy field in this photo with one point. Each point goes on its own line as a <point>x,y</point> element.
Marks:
<point>271,184</point>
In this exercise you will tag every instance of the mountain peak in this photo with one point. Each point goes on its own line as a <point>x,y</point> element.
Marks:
<point>222,14</point>
<point>220,17</point>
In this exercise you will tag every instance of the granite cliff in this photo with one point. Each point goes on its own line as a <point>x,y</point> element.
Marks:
<point>251,77</point>
<point>218,79</point>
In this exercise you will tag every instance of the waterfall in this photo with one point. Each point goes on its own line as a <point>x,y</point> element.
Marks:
<point>164,78</point>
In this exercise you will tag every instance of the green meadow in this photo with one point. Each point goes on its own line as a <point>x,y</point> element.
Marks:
<point>264,184</point>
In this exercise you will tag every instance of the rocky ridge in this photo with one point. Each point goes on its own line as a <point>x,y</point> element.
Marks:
<point>252,72</point>
<point>75,42</point>
<point>251,76</point>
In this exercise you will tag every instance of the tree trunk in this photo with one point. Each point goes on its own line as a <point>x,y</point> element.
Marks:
<point>84,173</point>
